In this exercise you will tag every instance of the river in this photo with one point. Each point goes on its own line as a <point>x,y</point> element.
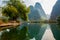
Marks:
<point>32,31</point>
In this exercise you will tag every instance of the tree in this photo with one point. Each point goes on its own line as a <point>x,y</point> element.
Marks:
<point>15,9</point>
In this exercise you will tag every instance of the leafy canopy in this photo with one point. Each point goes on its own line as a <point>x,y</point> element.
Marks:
<point>15,9</point>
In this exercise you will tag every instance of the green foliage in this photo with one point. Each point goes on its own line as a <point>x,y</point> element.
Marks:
<point>15,9</point>
<point>15,34</point>
<point>4,19</point>
<point>11,12</point>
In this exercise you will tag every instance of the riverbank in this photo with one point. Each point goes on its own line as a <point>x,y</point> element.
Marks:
<point>11,24</point>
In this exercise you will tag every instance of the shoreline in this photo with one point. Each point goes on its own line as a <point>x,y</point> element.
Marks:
<point>9,25</point>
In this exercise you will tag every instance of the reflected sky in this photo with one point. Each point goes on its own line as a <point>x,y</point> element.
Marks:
<point>48,35</point>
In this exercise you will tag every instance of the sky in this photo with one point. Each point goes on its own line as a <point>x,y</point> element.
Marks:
<point>46,4</point>
<point>0,2</point>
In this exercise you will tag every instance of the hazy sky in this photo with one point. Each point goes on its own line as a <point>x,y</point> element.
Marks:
<point>0,2</point>
<point>46,4</point>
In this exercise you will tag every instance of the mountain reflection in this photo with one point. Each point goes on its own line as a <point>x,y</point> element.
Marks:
<point>41,32</point>
<point>55,30</point>
<point>30,31</point>
<point>25,32</point>
<point>15,34</point>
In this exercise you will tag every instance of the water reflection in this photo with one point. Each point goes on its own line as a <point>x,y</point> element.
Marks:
<point>41,32</point>
<point>33,29</point>
<point>30,31</point>
<point>15,34</point>
<point>55,30</point>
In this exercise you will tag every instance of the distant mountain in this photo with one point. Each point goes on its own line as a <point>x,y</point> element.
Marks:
<point>56,11</point>
<point>37,12</point>
<point>41,11</point>
<point>34,14</point>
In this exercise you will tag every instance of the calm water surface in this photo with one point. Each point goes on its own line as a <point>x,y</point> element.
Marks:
<point>32,31</point>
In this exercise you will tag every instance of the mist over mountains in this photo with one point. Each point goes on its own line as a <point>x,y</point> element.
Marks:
<point>37,12</point>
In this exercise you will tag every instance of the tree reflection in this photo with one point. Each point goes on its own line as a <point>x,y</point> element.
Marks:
<point>25,32</point>
<point>15,34</point>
